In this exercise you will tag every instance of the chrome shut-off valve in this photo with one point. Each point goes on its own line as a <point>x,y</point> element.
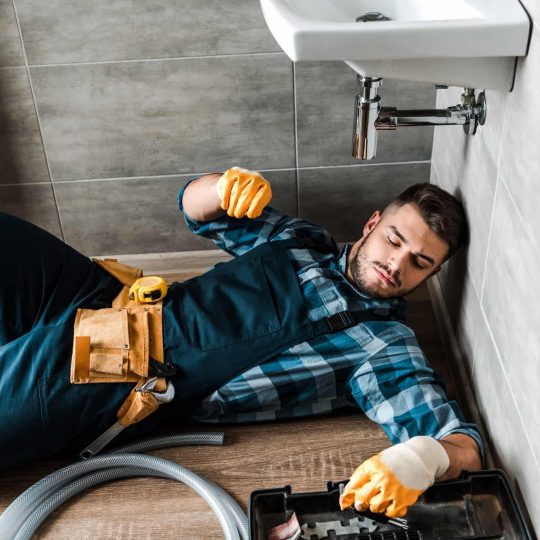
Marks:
<point>369,116</point>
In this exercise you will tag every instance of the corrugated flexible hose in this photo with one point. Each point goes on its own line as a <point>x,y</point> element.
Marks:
<point>25,514</point>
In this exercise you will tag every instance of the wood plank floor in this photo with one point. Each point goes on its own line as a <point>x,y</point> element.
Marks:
<point>302,453</point>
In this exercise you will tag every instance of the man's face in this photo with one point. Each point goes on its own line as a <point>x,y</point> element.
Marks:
<point>396,254</point>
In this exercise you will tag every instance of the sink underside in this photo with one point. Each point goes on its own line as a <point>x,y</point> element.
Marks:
<point>424,40</point>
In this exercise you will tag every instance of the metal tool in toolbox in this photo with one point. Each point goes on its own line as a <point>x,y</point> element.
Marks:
<point>323,529</point>
<point>478,506</point>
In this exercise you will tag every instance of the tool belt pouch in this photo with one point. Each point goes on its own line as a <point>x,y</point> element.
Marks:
<point>115,344</point>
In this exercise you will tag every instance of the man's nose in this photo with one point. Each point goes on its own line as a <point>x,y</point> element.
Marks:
<point>396,263</point>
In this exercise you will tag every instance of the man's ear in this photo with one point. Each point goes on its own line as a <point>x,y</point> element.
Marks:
<point>372,221</point>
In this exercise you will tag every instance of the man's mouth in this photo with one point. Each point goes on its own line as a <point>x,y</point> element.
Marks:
<point>387,279</point>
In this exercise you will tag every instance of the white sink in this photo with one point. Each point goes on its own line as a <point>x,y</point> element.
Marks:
<point>466,42</point>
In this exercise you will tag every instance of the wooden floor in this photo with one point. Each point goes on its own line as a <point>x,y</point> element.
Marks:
<point>302,453</point>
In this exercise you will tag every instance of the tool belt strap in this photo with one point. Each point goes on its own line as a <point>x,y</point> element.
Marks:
<point>127,275</point>
<point>115,344</point>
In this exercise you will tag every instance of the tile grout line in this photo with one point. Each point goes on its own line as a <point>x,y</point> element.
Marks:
<point>492,218</point>
<point>26,184</point>
<point>186,175</point>
<point>51,183</point>
<point>165,59</point>
<point>435,168</point>
<point>484,272</point>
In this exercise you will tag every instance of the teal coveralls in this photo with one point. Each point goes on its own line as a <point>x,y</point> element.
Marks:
<point>215,326</point>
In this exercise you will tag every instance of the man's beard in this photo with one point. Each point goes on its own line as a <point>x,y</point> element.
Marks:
<point>360,266</point>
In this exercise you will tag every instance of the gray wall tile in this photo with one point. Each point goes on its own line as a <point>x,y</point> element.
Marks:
<point>520,156</point>
<point>141,215</point>
<point>325,94</point>
<point>10,41</point>
<point>21,151</point>
<point>342,199</point>
<point>466,166</point>
<point>506,423</point>
<point>511,272</point>
<point>131,30</point>
<point>34,203</point>
<point>166,117</point>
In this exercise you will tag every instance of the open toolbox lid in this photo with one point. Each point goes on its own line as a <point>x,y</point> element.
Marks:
<point>479,506</point>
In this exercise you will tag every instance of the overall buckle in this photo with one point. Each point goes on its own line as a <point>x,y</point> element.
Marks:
<point>340,321</point>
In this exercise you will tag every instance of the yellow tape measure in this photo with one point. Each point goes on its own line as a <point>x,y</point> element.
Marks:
<point>148,289</point>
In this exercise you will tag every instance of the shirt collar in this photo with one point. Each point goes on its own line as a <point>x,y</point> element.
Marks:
<point>396,307</point>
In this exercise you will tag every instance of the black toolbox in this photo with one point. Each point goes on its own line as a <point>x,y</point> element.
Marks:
<point>478,506</point>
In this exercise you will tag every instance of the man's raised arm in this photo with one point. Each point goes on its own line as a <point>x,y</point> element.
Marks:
<point>201,201</point>
<point>239,192</point>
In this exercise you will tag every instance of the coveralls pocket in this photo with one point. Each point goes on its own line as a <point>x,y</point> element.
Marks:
<point>228,305</point>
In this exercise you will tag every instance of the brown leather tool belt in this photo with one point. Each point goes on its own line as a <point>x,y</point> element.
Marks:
<point>115,344</point>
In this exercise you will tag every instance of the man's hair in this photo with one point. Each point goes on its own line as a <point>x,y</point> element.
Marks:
<point>442,211</point>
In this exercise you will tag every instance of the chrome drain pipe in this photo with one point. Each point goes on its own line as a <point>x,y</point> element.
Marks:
<point>369,116</point>
<point>366,111</point>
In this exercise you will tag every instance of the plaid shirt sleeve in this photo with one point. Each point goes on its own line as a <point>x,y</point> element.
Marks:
<point>237,236</point>
<point>399,390</point>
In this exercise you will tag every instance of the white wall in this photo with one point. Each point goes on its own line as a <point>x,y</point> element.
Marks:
<point>492,289</point>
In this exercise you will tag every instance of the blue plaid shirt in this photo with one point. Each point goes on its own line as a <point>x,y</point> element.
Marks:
<point>376,366</point>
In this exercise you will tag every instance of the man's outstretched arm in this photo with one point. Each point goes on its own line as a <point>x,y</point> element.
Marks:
<point>463,454</point>
<point>398,389</point>
<point>392,481</point>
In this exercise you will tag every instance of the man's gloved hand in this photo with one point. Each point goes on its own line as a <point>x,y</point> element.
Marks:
<point>243,192</point>
<point>393,480</point>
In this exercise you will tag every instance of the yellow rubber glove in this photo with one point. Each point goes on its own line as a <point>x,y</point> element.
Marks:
<point>243,192</point>
<point>393,480</point>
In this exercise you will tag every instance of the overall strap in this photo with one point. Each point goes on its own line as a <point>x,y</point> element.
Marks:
<point>343,319</point>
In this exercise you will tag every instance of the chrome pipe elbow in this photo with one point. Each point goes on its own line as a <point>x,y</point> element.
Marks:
<point>366,111</point>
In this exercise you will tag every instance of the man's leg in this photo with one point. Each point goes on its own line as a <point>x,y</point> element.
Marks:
<point>42,413</point>
<point>42,282</point>
<point>32,262</point>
